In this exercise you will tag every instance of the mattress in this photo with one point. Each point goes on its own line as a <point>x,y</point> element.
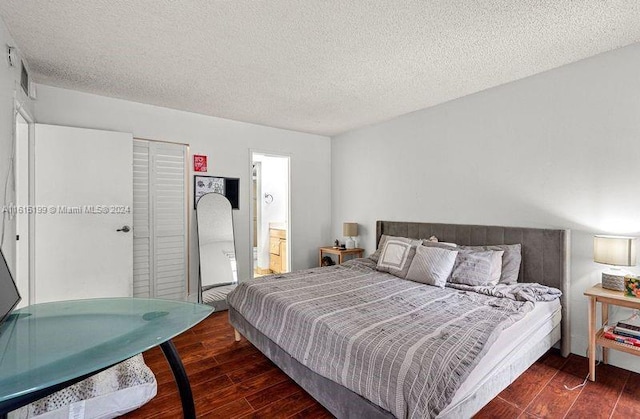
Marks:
<point>513,341</point>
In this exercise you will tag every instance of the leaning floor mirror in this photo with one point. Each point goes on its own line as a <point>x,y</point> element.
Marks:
<point>217,250</point>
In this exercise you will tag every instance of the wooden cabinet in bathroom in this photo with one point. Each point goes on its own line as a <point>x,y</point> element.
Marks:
<point>277,250</point>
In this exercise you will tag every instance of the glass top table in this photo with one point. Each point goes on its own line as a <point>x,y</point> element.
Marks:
<point>45,347</point>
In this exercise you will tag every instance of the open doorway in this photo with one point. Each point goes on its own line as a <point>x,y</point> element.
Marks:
<point>270,214</point>
<point>22,128</point>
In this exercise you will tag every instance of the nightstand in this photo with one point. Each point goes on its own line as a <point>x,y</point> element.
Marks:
<point>341,253</point>
<point>597,294</point>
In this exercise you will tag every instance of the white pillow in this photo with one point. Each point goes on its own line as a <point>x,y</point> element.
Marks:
<point>383,239</point>
<point>511,260</point>
<point>477,268</point>
<point>443,245</point>
<point>109,394</point>
<point>432,265</point>
<point>434,241</point>
<point>396,257</point>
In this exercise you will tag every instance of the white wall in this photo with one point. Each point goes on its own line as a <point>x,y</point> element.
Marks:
<point>228,144</point>
<point>557,150</point>
<point>10,93</point>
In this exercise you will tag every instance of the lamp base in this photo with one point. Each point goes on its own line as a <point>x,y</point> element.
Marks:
<point>613,280</point>
<point>350,243</point>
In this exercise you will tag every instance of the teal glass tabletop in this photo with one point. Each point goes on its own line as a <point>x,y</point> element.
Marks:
<point>47,344</point>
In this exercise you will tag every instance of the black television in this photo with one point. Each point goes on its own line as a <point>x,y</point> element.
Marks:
<point>9,295</point>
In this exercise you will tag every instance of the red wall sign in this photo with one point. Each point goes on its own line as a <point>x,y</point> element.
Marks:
<point>199,163</point>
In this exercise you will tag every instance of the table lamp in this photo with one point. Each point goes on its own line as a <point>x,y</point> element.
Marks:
<point>350,230</point>
<point>616,251</point>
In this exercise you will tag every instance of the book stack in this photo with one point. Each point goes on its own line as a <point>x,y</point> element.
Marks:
<point>625,331</point>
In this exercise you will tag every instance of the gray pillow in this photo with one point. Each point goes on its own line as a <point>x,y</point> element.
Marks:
<point>396,257</point>
<point>383,239</point>
<point>432,265</point>
<point>476,267</point>
<point>511,260</point>
<point>442,245</point>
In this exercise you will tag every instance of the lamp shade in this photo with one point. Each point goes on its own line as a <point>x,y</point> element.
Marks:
<point>349,229</point>
<point>614,250</point>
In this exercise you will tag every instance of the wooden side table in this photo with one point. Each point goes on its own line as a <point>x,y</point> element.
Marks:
<point>597,294</point>
<point>341,253</point>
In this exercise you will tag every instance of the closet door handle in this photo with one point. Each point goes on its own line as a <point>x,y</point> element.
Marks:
<point>124,229</point>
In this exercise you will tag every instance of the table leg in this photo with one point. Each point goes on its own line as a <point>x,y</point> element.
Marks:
<point>320,258</point>
<point>182,381</point>
<point>592,338</point>
<point>605,320</point>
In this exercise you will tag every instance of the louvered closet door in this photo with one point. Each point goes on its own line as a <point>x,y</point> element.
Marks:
<point>160,220</point>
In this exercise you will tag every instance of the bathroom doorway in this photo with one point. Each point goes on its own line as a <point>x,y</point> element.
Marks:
<point>270,213</point>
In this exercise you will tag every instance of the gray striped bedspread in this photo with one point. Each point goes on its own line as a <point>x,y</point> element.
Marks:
<point>402,345</point>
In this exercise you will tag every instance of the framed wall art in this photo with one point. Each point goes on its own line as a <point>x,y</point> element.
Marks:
<point>227,186</point>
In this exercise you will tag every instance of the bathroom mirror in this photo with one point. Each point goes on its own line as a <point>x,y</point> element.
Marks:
<point>218,272</point>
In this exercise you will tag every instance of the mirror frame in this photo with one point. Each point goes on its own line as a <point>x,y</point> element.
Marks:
<point>235,247</point>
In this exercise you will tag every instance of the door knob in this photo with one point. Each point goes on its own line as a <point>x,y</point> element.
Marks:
<point>124,229</point>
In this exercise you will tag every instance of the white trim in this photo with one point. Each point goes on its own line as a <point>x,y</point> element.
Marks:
<point>22,111</point>
<point>256,208</point>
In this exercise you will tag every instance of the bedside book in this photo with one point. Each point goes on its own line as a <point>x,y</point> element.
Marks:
<point>626,332</point>
<point>628,326</point>
<point>609,334</point>
<point>632,323</point>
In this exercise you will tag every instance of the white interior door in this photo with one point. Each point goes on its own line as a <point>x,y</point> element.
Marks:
<point>83,196</point>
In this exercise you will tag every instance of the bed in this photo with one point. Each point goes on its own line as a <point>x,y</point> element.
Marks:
<point>339,367</point>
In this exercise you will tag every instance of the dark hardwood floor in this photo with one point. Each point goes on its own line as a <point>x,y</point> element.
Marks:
<point>233,379</point>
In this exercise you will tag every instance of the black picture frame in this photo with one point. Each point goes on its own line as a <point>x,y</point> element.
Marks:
<point>227,186</point>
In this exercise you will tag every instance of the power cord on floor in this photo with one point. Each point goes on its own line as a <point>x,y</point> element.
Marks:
<point>584,383</point>
<point>635,314</point>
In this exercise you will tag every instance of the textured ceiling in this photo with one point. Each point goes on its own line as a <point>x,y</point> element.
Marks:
<point>315,66</point>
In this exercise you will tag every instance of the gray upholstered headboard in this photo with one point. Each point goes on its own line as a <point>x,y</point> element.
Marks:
<point>545,252</point>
